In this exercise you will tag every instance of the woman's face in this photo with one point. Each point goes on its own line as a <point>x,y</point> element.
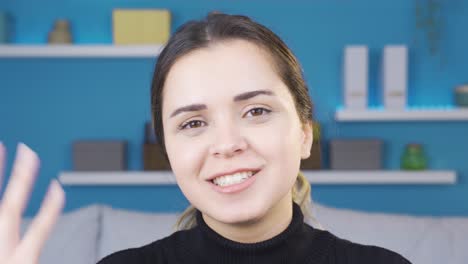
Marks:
<point>232,133</point>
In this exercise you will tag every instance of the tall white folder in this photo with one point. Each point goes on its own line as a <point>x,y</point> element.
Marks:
<point>395,76</point>
<point>355,81</point>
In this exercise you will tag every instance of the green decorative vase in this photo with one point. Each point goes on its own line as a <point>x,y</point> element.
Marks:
<point>413,158</point>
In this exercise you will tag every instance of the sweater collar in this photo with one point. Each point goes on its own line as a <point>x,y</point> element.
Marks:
<point>298,243</point>
<point>293,227</point>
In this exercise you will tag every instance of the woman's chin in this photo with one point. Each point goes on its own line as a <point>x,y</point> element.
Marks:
<point>238,217</point>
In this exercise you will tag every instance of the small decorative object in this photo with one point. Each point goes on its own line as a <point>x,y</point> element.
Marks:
<point>461,95</point>
<point>99,155</point>
<point>153,155</point>
<point>413,157</point>
<point>353,154</point>
<point>60,33</point>
<point>395,76</point>
<point>314,161</point>
<point>356,71</point>
<point>4,27</point>
<point>141,26</point>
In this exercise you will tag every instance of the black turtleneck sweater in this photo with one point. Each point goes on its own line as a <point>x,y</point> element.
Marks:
<point>299,243</point>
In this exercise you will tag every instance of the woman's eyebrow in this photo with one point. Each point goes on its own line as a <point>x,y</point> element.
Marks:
<point>188,108</point>
<point>237,98</point>
<point>248,95</point>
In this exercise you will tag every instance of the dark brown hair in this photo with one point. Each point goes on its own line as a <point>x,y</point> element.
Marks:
<point>217,27</point>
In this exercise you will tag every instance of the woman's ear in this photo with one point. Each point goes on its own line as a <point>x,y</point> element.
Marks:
<point>307,140</point>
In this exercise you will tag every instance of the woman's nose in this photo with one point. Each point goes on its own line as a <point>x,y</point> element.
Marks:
<point>227,142</point>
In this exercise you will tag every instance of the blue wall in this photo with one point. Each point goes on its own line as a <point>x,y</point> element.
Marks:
<point>48,103</point>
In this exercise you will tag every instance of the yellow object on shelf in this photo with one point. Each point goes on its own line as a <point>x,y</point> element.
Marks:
<point>141,26</point>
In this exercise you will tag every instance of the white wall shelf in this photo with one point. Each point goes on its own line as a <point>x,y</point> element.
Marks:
<point>381,177</point>
<point>128,178</point>
<point>448,114</point>
<point>80,51</point>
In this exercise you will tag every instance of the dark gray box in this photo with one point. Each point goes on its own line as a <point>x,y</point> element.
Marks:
<point>355,154</point>
<point>99,155</point>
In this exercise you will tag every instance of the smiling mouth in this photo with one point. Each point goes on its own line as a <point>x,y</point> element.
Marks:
<point>233,179</point>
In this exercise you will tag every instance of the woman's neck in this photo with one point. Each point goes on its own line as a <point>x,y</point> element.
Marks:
<point>275,221</point>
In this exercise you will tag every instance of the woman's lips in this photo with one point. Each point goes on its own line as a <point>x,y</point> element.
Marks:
<point>235,188</point>
<point>254,170</point>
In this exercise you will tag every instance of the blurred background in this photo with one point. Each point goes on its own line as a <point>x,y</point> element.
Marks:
<point>50,103</point>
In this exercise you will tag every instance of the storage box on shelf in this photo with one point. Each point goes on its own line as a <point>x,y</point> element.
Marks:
<point>141,26</point>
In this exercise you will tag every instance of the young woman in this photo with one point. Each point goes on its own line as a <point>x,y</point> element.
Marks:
<point>234,115</point>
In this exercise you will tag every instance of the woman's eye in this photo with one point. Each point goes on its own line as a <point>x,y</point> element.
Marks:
<point>191,124</point>
<point>258,111</point>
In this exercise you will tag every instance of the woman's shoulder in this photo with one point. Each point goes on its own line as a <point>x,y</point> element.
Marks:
<point>351,252</point>
<point>154,252</point>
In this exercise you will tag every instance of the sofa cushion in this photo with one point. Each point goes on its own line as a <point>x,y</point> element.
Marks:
<point>419,239</point>
<point>456,229</point>
<point>73,239</point>
<point>122,229</point>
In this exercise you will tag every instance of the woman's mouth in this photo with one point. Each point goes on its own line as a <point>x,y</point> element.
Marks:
<point>232,179</point>
<point>235,182</point>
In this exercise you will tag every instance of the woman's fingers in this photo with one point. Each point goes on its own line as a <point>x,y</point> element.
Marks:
<point>15,197</point>
<point>20,184</point>
<point>8,236</point>
<point>41,226</point>
<point>13,203</point>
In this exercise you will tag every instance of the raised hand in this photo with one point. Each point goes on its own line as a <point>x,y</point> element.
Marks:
<point>26,250</point>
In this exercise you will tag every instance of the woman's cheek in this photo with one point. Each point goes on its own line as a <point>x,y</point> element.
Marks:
<point>187,157</point>
<point>283,138</point>
<point>264,139</point>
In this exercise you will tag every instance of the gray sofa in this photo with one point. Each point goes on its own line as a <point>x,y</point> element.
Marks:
<point>86,235</point>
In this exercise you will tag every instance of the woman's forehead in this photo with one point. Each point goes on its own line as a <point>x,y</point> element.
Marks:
<point>227,68</point>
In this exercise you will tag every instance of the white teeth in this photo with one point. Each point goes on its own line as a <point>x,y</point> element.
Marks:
<point>236,178</point>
